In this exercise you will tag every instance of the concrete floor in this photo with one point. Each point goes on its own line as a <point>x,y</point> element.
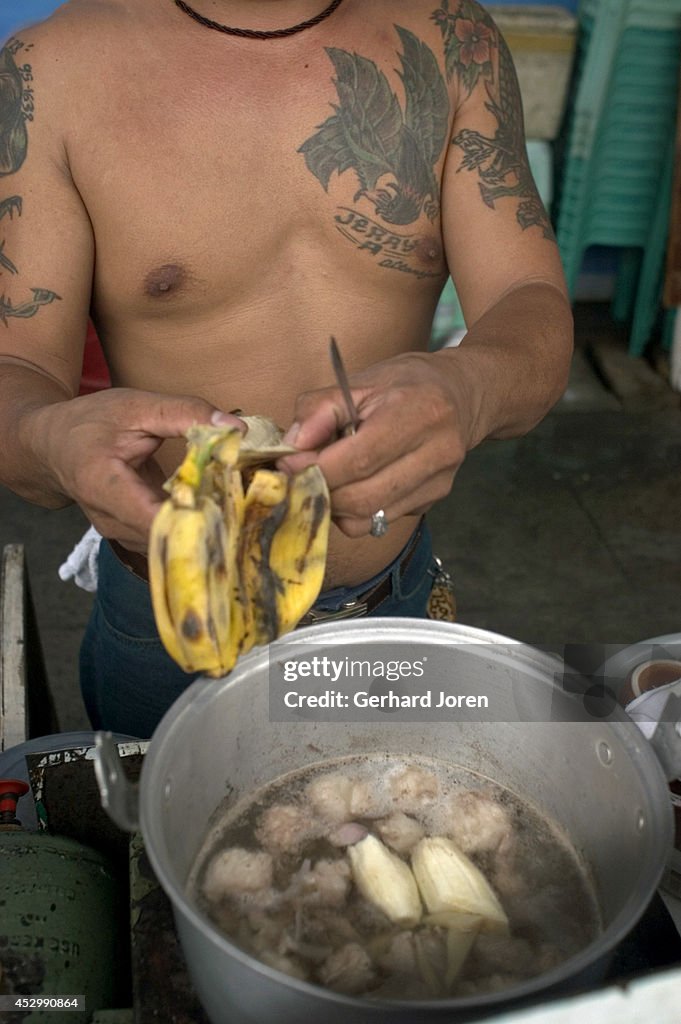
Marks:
<point>571,535</point>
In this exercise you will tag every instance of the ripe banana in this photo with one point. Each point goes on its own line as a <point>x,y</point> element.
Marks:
<point>237,552</point>
<point>303,532</point>
<point>265,508</point>
<point>196,594</point>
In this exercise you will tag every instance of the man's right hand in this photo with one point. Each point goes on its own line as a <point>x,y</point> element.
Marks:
<point>100,450</point>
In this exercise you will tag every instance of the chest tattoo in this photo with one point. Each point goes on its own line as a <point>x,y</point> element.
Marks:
<point>391,150</point>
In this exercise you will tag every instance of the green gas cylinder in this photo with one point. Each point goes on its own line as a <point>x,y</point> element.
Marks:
<point>60,931</point>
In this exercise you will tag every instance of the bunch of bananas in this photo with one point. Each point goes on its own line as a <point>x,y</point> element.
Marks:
<point>237,553</point>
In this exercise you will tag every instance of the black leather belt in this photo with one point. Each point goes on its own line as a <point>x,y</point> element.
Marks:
<point>363,604</point>
<point>132,560</point>
<point>367,602</point>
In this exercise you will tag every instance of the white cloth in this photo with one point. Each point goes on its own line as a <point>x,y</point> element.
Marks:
<point>81,565</point>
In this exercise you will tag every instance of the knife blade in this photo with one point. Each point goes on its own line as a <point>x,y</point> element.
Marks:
<point>344,385</point>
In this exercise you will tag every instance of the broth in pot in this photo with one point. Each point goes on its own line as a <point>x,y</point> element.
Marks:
<point>395,878</point>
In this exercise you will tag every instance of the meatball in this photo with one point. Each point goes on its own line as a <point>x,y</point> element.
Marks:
<point>283,828</point>
<point>330,796</point>
<point>477,823</point>
<point>236,871</point>
<point>400,831</point>
<point>412,787</point>
<point>327,883</point>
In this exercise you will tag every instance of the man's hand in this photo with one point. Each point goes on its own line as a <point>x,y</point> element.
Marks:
<point>99,449</point>
<point>406,452</point>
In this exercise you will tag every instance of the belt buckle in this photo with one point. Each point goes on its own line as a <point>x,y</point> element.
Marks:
<point>348,610</point>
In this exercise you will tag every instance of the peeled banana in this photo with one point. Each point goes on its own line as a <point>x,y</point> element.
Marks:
<point>237,552</point>
<point>452,885</point>
<point>385,880</point>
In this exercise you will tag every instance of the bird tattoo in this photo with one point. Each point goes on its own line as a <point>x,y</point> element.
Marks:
<point>392,151</point>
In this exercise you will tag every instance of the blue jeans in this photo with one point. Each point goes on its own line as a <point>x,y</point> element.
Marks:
<point>127,679</point>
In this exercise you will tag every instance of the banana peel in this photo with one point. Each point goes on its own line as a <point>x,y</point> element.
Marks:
<point>237,552</point>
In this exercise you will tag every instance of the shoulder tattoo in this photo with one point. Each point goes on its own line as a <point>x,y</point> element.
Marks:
<point>16,107</point>
<point>16,110</point>
<point>473,48</point>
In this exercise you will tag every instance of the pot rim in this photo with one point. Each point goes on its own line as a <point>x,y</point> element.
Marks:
<point>206,690</point>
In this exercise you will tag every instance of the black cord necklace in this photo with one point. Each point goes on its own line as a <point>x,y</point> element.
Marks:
<point>252,33</point>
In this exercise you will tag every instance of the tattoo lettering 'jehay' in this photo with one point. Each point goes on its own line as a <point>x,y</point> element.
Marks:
<point>16,109</point>
<point>470,41</point>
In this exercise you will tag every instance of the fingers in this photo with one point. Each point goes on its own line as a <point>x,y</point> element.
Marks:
<point>399,490</point>
<point>322,416</point>
<point>117,481</point>
<point>172,415</point>
<point>319,433</point>
<point>366,472</point>
<point>403,457</point>
<point>121,502</point>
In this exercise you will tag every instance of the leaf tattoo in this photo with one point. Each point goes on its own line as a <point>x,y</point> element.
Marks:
<point>371,134</point>
<point>7,208</point>
<point>41,297</point>
<point>501,161</point>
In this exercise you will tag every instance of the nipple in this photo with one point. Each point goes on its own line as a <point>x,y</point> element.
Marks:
<point>428,249</point>
<point>164,280</point>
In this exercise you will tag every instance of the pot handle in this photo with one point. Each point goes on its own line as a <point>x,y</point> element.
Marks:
<point>657,713</point>
<point>119,796</point>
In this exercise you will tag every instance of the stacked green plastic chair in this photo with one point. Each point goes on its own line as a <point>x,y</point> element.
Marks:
<point>617,150</point>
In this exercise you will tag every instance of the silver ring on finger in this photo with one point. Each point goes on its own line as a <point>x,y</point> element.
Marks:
<point>379,525</point>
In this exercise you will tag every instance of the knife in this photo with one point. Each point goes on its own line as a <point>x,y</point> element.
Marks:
<point>344,385</point>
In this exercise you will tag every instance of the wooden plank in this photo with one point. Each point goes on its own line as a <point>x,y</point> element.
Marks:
<point>638,387</point>
<point>13,705</point>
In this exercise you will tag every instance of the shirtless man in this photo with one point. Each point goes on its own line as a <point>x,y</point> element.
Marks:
<point>223,203</point>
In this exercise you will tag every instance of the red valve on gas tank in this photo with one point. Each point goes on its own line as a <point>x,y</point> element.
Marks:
<point>11,790</point>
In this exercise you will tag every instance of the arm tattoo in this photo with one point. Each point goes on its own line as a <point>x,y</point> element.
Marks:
<point>371,135</point>
<point>41,297</point>
<point>501,161</point>
<point>8,207</point>
<point>16,109</point>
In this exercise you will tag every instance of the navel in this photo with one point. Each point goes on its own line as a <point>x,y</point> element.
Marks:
<point>165,280</point>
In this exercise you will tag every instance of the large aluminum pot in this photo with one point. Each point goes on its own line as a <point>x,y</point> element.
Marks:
<point>582,763</point>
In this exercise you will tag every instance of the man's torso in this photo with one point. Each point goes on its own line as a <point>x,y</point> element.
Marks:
<point>250,198</point>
